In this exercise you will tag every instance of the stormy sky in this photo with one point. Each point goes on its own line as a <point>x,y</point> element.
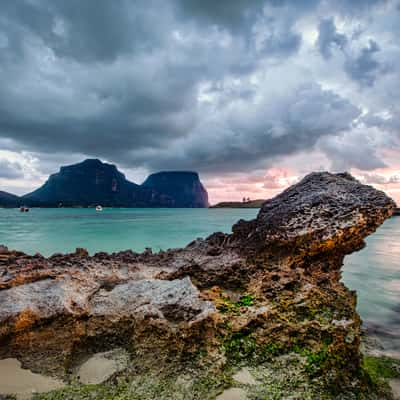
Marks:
<point>251,94</point>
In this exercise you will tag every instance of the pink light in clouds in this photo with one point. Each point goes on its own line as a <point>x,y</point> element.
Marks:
<point>279,178</point>
<point>233,187</point>
<point>386,179</point>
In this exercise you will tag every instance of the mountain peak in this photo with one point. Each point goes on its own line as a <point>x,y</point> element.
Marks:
<point>93,182</point>
<point>91,163</point>
<point>8,199</point>
<point>184,186</point>
<point>176,173</point>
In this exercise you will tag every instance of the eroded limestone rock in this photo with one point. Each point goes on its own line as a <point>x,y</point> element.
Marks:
<point>270,289</point>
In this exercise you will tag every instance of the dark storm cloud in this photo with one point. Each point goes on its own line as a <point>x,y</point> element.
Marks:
<point>358,150</point>
<point>282,45</point>
<point>246,134</point>
<point>235,15</point>
<point>172,84</point>
<point>389,124</point>
<point>10,170</point>
<point>106,78</point>
<point>354,7</point>
<point>279,39</point>
<point>57,99</point>
<point>361,65</point>
<point>92,30</point>
<point>329,38</point>
<point>364,67</point>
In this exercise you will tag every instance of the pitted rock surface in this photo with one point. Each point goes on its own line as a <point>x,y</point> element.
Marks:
<point>271,287</point>
<point>322,207</point>
<point>177,300</point>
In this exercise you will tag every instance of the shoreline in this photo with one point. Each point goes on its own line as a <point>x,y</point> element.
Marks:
<point>264,302</point>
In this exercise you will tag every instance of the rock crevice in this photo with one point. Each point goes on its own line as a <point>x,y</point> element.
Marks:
<point>270,288</point>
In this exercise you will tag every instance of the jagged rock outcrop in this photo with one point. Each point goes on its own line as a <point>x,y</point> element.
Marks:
<point>9,200</point>
<point>93,182</point>
<point>267,294</point>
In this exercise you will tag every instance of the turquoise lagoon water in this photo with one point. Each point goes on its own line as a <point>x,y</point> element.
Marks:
<point>373,272</point>
<point>61,230</point>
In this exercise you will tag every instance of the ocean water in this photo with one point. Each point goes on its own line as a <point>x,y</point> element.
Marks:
<point>373,272</point>
<point>61,230</point>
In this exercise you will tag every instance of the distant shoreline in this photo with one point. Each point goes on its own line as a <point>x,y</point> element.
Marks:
<point>239,204</point>
<point>224,204</point>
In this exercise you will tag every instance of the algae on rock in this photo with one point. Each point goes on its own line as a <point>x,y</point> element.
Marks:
<point>267,297</point>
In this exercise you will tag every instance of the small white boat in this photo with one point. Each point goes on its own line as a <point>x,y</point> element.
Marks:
<point>24,209</point>
<point>99,208</point>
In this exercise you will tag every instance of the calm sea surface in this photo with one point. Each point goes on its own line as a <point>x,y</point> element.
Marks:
<point>374,272</point>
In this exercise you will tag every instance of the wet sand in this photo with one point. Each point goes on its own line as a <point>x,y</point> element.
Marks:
<point>14,380</point>
<point>395,385</point>
<point>244,376</point>
<point>102,366</point>
<point>22,382</point>
<point>232,394</point>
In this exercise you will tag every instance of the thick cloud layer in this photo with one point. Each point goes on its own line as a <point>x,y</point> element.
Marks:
<point>329,38</point>
<point>220,87</point>
<point>10,170</point>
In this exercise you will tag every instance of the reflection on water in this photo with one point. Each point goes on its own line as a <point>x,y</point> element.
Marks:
<point>374,273</point>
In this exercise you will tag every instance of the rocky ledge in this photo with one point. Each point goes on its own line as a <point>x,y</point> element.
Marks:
<point>259,313</point>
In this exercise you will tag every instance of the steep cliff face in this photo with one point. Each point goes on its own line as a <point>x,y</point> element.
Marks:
<point>183,188</point>
<point>88,183</point>
<point>9,200</point>
<point>267,297</point>
<point>93,182</point>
